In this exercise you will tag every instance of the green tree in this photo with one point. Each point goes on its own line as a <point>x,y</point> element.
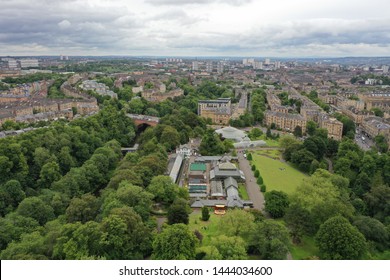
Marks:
<point>373,230</point>
<point>125,236</point>
<point>297,131</point>
<point>337,239</point>
<point>237,222</point>
<point>230,248</point>
<point>270,240</point>
<point>255,133</point>
<point>276,203</point>
<point>5,168</point>
<point>299,221</point>
<point>324,195</point>
<point>205,213</point>
<point>170,138</point>
<point>129,195</point>
<point>311,128</point>
<point>211,144</point>
<point>83,209</point>
<point>178,212</point>
<point>175,242</point>
<point>136,106</point>
<point>50,173</point>
<point>378,112</point>
<point>163,189</point>
<point>15,192</point>
<point>31,247</point>
<point>35,208</point>
<point>381,143</point>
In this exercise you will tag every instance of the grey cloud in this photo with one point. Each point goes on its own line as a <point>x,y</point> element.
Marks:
<point>199,2</point>
<point>177,15</point>
<point>65,24</point>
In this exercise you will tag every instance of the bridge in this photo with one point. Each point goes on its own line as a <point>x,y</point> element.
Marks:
<point>144,119</point>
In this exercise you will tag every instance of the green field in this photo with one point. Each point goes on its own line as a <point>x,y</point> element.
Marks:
<point>270,142</point>
<point>208,229</point>
<point>307,248</point>
<point>269,153</point>
<point>277,175</point>
<point>243,192</point>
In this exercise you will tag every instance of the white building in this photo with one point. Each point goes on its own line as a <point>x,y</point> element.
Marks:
<point>29,63</point>
<point>184,150</point>
<point>209,66</point>
<point>195,66</point>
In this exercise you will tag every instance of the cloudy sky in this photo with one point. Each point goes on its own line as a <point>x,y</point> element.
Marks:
<point>280,28</point>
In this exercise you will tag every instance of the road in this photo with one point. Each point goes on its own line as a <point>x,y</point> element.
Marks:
<point>252,188</point>
<point>365,144</point>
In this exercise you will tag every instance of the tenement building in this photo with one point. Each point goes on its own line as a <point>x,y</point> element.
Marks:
<point>219,110</point>
<point>285,121</point>
<point>374,126</point>
<point>333,126</point>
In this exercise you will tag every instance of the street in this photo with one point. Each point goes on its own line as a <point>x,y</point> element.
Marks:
<point>253,189</point>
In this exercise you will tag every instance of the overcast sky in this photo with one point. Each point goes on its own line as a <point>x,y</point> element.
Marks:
<point>279,28</point>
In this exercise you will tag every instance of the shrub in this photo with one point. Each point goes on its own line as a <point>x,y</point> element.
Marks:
<point>253,167</point>
<point>263,188</point>
<point>260,180</point>
<point>205,214</point>
<point>257,173</point>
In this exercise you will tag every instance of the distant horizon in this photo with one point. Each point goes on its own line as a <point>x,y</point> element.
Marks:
<point>196,28</point>
<point>199,56</point>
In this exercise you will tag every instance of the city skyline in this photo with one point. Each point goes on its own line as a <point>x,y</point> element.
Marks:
<point>235,28</point>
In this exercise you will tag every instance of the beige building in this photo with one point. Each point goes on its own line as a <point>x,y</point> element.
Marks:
<point>155,96</point>
<point>219,110</point>
<point>333,126</point>
<point>285,121</point>
<point>356,115</point>
<point>374,126</point>
<point>376,100</point>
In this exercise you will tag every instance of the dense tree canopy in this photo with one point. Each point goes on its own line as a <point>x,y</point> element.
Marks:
<point>338,240</point>
<point>175,242</point>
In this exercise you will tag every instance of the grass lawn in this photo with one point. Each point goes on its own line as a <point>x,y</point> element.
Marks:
<point>306,249</point>
<point>270,153</point>
<point>270,142</point>
<point>242,191</point>
<point>208,229</point>
<point>278,175</point>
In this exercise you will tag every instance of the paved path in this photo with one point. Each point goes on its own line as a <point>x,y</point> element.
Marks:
<point>330,164</point>
<point>251,186</point>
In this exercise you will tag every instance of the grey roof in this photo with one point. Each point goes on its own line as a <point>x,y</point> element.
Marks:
<point>235,201</point>
<point>198,195</point>
<point>231,192</point>
<point>176,168</point>
<point>216,173</point>
<point>231,133</point>
<point>249,144</point>
<point>227,166</point>
<point>199,203</point>
<point>216,188</point>
<point>230,181</point>
<point>212,158</point>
